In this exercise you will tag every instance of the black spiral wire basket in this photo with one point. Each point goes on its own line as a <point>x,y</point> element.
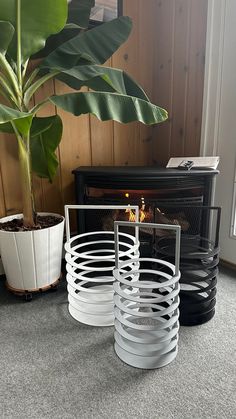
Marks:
<point>199,259</point>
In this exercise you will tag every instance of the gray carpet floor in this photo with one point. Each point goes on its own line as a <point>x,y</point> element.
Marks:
<point>53,367</point>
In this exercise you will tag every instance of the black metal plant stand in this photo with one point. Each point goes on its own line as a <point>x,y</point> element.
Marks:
<point>199,259</point>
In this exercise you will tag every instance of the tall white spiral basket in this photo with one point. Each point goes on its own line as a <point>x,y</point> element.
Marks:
<point>146,305</point>
<point>90,261</point>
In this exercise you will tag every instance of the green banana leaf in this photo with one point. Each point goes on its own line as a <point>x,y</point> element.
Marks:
<point>39,19</point>
<point>110,106</point>
<point>92,47</point>
<point>7,32</point>
<point>78,18</point>
<point>45,136</point>
<point>7,128</point>
<point>21,120</point>
<point>101,78</point>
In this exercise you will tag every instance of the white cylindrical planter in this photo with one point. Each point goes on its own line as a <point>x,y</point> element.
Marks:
<point>32,259</point>
<point>146,308</point>
<point>90,261</point>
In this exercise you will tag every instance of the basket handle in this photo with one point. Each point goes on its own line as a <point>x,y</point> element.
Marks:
<point>67,208</point>
<point>137,225</point>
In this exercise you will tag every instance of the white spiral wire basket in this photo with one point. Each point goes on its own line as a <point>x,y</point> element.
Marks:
<point>146,307</point>
<point>90,261</point>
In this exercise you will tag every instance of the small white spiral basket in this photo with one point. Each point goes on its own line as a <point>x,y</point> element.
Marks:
<point>146,305</point>
<point>90,261</point>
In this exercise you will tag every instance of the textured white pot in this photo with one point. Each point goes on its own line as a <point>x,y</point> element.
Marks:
<point>32,259</point>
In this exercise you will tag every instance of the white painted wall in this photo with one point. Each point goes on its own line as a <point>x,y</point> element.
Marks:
<point>219,122</point>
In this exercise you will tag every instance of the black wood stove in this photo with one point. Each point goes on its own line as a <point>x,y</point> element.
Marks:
<point>165,196</point>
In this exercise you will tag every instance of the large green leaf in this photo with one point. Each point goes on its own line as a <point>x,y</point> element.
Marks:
<point>94,46</point>
<point>55,41</point>
<point>6,128</point>
<point>78,17</point>
<point>106,106</point>
<point>7,32</point>
<point>22,120</point>
<point>39,19</point>
<point>93,76</point>
<point>45,136</point>
<point>101,78</point>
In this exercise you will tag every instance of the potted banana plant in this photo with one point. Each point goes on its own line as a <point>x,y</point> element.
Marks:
<point>31,243</point>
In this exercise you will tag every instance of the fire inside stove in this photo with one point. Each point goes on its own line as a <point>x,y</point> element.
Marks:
<point>155,206</point>
<point>162,198</point>
<point>150,213</point>
<point>143,214</point>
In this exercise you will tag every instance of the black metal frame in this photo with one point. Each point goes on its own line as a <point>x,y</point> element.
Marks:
<point>140,178</point>
<point>200,255</point>
<point>194,309</point>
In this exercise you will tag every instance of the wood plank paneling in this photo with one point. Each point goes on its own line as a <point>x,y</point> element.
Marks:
<point>180,51</point>
<point>75,148</point>
<point>180,80</point>
<point>165,54</point>
<point>102,140</point>
<point>146,74</point>
<point>10,174</point>
<point>196,67</point>
<point>163,79</point>
<point>126,137</point>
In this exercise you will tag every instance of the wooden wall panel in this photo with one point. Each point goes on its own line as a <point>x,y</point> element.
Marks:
<point>102,140</point>
<point>10,174</point>
<point>165,54</point>
<point>196,66</point>
<point>180,76</point>
<point>181,30</point>
<point>75,148</point>
<point>126,137</point>
<point>163,79</point>
<point>147,45</point>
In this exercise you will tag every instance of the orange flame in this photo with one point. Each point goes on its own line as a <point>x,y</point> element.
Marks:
<point>131,213</point>
<point>142,216</point>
